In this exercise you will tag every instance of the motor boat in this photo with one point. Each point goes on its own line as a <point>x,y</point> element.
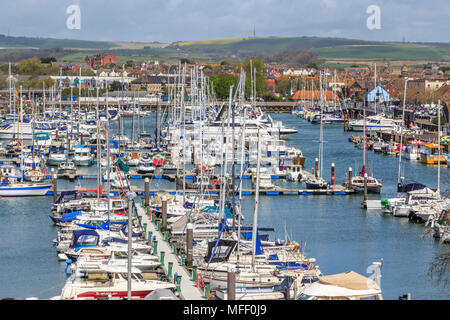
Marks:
<point>109,281</point>
<point>316,183</point>
<point>146,164</point>
<point>68,167</point>
<point>82,156</point>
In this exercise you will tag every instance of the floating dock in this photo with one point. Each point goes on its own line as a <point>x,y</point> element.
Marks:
<point>188,288</point>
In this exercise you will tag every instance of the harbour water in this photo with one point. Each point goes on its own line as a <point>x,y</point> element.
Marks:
<point>333,229</point>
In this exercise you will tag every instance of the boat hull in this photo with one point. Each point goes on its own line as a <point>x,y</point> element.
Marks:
<point>24,191</point>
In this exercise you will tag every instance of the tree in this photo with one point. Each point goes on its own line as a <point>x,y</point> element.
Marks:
<point>48,59</point>
<point>36,83</point>
<point>283,86</point>
<point>31,66</point>
<point>221,85</point>
<point>438,271</point>
<point>258,66</point>
<point>293,57</point>
<point>116,85</point>
<point>185,60</point>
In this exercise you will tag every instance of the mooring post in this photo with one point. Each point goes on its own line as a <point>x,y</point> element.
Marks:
<point>169,269</point>
<point>333,179</point>
<point>194,274</point>
<point>350,178</point>
<point>365,190</point>
<point>189,243</point>
<point>147,192</point>
<point>164,215</point>
<point>155,247</point>
<point>207,285</point>
<point>162,253</point>
<point>55,186</point>
<point>231,284</point>
<point>316,168</point>
<point>174,245</point>
<point>178,283</point>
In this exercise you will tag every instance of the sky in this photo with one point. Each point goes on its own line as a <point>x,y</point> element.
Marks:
<point>188,20</point>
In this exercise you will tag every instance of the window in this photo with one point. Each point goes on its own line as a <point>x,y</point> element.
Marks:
<point>87,240</point>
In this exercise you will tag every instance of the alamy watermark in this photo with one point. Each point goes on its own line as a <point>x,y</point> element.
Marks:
<point>74,19</point>
<point>374,20</point>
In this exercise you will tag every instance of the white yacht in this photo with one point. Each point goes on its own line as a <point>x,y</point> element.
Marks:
<point>373,123</point>
<point>82,156</point>
<point>109,281</point>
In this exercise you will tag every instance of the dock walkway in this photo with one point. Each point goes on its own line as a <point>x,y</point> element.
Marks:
<point>188,289</point>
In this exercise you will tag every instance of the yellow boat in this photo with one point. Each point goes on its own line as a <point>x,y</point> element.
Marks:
<point>430,154</point>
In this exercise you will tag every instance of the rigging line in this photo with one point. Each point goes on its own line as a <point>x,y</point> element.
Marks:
<point>196,194</point>
<point>117,171</point>
<point>224,223</point>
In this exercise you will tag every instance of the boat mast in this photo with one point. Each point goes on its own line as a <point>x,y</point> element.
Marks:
<point>79,105</point>
<point>255,212</point>
<point>19,135</point>
<point>109,163</point>
<point>183,111</point>
<point>375,82</point>
<point>365,140</point>
<point>439,149</point>
<point>241,98</point>
<point>98,153</point>
<point>401,136</point>
<point>10,87</point>
<point>32,132</point>
<point>321,128</point>
<point>43,97</point>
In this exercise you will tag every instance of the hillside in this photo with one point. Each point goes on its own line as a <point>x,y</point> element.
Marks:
<point>235,48</point>
<point>49,43</point>
<point>241,48</point>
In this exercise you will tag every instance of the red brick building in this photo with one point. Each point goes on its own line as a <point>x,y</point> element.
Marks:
<point>100,59</point>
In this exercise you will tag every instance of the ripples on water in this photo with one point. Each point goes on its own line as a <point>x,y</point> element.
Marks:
<point>333,229</point>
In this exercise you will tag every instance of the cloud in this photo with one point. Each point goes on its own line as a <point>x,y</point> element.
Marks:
<point>174,20</point>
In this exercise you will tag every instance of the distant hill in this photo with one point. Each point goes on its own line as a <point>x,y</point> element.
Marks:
<point>49,43</point>
<point>336,48</point>
<point>235,48</point>
<point>244,47</point>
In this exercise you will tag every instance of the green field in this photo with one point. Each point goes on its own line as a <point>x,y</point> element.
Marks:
<point>48,43</point>
<point>234,48</point>
<point>388,51</point>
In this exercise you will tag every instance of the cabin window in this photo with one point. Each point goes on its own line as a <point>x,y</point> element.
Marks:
<point>87,240</point>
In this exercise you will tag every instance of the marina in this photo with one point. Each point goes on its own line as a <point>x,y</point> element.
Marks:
<point>269,202</point>
<point>246,169</point>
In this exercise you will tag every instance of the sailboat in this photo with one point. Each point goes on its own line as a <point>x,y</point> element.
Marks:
<point>317,182</point>
<point>14,185</point>
<point>358,182</point>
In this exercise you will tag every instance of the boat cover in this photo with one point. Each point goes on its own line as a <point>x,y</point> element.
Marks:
<point>350,280</point>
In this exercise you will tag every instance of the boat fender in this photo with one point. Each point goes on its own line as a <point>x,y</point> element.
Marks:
<point>69,262</point>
